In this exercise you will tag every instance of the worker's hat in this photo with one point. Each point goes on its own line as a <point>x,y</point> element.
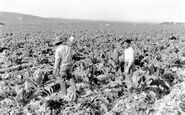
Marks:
<point>128,41</point>
<point>2,24</point>
<point>61,39</point>
<point>58,40</point>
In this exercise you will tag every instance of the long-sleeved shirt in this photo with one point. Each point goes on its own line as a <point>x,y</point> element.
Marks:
<point>63,56</point>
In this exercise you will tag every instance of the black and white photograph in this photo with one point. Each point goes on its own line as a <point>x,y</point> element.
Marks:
<point>92,57</point>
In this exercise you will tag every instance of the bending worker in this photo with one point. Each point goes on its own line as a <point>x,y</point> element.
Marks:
<point>63,63</point>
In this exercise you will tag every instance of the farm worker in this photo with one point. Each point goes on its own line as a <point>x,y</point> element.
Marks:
<point>128,59</point>
<point>1,29</point>
<point>3,49</point>
<point>63,63</point>
<point>3,57</point>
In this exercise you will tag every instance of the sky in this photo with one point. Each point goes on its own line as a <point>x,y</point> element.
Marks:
<point>112,10</point>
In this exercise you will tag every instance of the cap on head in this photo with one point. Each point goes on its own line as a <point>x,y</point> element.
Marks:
<point>3,49</point>
<point>128,41</point>
<point>2,24</point>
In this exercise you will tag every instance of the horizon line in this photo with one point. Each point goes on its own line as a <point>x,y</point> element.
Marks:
<point>95,20</point>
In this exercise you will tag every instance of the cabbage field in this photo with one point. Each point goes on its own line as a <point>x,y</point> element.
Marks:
<point>159,74</point>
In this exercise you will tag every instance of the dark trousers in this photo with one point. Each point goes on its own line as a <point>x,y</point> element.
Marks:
<point>130,72</point>
<point>65,74</point>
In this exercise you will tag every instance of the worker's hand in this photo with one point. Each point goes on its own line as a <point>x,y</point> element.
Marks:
<point>126,70</point>
<point>56,73</point>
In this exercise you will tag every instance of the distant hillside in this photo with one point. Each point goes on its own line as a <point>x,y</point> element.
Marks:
<point>17,18</point>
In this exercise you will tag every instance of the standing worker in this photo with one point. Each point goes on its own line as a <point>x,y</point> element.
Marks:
<point>128,60</point>
<point>1,29</point>
<point>63,64</point>
<point>3,49</point>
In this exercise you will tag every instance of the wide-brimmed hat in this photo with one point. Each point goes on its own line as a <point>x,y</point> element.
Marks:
<point>58,40</point>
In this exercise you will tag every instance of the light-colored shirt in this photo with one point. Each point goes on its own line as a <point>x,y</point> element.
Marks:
<point>1,31</point>
<point>64,54</point>
<point>129,54</point>
<point>2,56</point>
<point>3,59</point>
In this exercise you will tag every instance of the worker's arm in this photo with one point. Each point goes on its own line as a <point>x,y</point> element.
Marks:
<point>57,63</point>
